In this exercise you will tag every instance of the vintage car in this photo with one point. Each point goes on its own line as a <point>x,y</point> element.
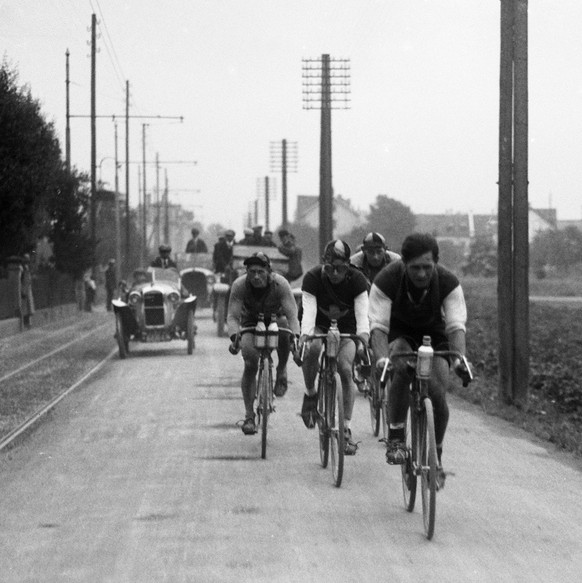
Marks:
<point>156,308</point>
<point>221,289</point>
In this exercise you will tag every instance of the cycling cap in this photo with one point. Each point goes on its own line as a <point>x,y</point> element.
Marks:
<point>336,249</point>
<point>374,240</point>
<point>258,258</point>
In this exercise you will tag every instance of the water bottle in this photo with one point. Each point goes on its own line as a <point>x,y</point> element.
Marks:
<point>424,360</point>
<point>273,333</point>
<point>260,332</point>
<point>333,339</point>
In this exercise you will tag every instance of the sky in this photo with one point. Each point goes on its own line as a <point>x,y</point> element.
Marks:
<point>422,127</point>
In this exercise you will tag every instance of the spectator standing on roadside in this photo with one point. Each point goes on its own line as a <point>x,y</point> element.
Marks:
<point>110,283</point>
<point>26,297</point>
<point>90,289</point>
<point>290,249</point>
<point>196,244</point>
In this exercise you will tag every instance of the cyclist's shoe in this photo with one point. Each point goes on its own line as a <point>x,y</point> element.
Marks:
<point>280,387</point>
<point>248,426</point>
<point>350,446</point>
<point>396,452</point>
<point>441,476</point>
<point>362,385</point>
<point>309,410</point>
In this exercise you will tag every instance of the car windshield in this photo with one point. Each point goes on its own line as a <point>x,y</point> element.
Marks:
<point>168,275</point>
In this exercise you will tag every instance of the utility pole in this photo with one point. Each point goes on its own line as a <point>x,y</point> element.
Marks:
<point>167,208</point>
<point>117,214</point>
<point>158,202</point>
<point>284,160</point>
<point>144,249</point>
<point>93,145</point>
<point>68,113</point>
<point>513,220</point>
<point>127,217</point>
<point>326,86</point>
<point>265,186</point>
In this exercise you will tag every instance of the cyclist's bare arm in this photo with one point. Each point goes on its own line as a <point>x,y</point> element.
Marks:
<point>289,306</point>
<point>235,305</point>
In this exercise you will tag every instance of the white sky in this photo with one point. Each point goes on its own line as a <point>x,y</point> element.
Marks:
<point>423,126</point>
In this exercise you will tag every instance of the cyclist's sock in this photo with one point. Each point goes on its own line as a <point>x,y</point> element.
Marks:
<point>439,453</point>
<point>347,423</point>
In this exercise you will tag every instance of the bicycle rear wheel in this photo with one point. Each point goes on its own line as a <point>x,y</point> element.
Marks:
<point>335,421</point>
<point>264,405</point>
<point>407,468</point>
<point>322,424</point>
<point>428,463</point>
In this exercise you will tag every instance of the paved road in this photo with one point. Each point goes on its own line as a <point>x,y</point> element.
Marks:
<point>142,475</point>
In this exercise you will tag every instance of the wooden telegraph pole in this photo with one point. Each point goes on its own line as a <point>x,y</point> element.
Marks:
<point>513,209</point>
<point>326,86</point>
<point>284,160</point>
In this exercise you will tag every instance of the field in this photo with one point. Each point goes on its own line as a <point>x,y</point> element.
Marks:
<point>554,409</point>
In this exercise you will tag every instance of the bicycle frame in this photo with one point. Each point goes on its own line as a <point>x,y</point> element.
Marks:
<point>330,405</point>
<point>264,395</point>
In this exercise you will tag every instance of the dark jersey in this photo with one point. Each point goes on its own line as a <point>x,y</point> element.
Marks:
<point>341,295</point>
<point>415,312</point>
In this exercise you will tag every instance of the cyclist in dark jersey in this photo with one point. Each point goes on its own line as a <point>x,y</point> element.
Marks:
<point>334,290</point>
<point>373,256</point>
<point>260,291</point>
<point>408,300</point>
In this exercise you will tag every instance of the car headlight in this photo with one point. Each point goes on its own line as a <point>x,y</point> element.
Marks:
<point>134,298</point>
<point>174,297</point>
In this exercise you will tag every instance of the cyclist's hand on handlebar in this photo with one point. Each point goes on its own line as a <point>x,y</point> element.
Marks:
<point>462,371</point>
<point>297,355</point>
<point>234,346</point>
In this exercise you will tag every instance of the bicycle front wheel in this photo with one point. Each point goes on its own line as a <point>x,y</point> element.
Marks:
<point>264,390</point>
<point>322,424</point>
<point>375,405</point>
<point>427,458</point>
<point>408,468</point>
<point>335,412</point>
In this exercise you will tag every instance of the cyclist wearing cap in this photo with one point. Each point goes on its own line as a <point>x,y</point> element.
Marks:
<point>412,298</point>
<point>260,291</point>
<point>164,260</point>
<point>334,290</point>
<point>373,256</point>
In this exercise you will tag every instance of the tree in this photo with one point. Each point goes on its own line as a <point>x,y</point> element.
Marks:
<point>30,166</point>
<point>558,249</point>
<point>482,260</point>
<point>67,209</point>
<point>388,217</point>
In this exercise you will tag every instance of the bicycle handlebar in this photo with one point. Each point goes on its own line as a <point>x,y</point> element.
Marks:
<point>323,336</point>
<point>388,366</point>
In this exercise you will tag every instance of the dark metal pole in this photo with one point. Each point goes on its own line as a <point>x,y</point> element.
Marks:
<point>167,206</point>
<point>117,214</point>
<point>145,201</point>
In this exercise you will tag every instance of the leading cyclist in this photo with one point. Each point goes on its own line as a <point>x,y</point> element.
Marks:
<point>408,300</point>
<point>334,290</point>
<point>260,291</point>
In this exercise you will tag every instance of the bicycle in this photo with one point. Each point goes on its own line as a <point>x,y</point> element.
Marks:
<point>377,398</point>
<point>265,341</point>
<point>330,403</point>
<point>421,459</point>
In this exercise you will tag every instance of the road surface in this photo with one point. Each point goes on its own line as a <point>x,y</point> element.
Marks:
<point>142,475</point>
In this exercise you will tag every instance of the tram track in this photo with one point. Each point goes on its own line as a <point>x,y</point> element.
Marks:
<point>32,384</point>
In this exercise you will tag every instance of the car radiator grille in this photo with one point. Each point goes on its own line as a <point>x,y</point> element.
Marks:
<point>154,309</point>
